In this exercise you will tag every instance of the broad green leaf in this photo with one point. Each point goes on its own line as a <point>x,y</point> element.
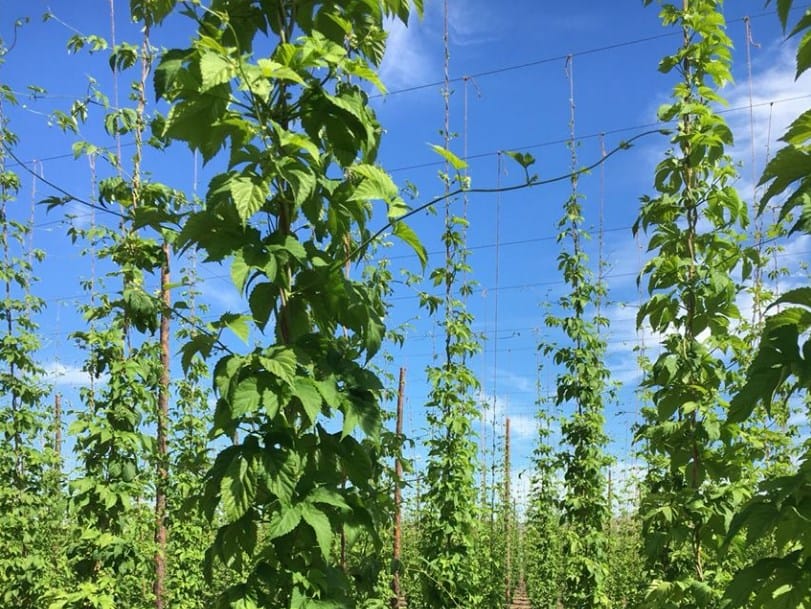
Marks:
<point>224,371</point>
<point>328,497</point>
<point>372,183</point>
<point>798,296</point>
<point>307,393</point>
<point>783,9</point>
<point>406,233</point>
<point>297,141</point>
<point>272,69</point>
<point>280,362</point>
<point>294,247</point>
<point>239,271</point>
<point>361,410</point>
<point>524,159</point>
<point>302,183</point>
<point>198,120</point>
<point>799,133</point>
<point>261,301</point>
<point>237,489</point>
<point>245,398</point>
<point>328,388</point>
<point>320,524</point>
<point>249,194</point>
<point>450,157</point>
<point>804,50</point>
<point>151,12</point>
<point>238,324</point>
<point>281,469</point>
<point>285,521</point>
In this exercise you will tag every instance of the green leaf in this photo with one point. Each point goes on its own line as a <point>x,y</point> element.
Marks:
<point>239,271</point>
<point>245,398</point>
<point>804,51</point>
<point>262,299</point>
<point>783,9</point>
<point>280,362</point>
<point>215,70</point>
<point>237,489</point>
<point>238,324</point>
<point>307,393</point>
<point>798,296</point>
<point>168,70</point>
<point>198,121</point>
<point>372,183</point>
<point>320,525</point>
<point>404,232</point>
<point>151,12</point>
<point>328,497</point>
<point>284,521</point>
<point>249,194</point>
<point>524,159</point>
<point>789,165</point>
<point>272,69</point>
<point>799,133</point>
<point>450,157</point>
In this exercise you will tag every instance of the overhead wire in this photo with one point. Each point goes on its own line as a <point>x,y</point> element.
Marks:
<point>557,58</point>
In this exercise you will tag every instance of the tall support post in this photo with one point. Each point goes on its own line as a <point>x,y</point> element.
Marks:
<point>58,426</point>
<point>162,478</point>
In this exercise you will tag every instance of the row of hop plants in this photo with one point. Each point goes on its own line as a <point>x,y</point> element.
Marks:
<point>292,510</point>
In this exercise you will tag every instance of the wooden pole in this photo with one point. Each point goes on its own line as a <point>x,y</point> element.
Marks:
<point>162,477</point>
<point>58,426</point>
<point>396,599</point>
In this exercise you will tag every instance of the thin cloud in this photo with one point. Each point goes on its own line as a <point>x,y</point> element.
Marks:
<point>414,54</point>
<point>408,61</point>
<point>471,23</point>
<point>58,373</point>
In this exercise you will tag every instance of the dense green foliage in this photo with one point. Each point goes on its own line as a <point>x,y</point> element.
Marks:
<point>543,555</point>
<point>258,474</point>
<point>31,502</point>
<point>583,384</point>
<point>448,517</point>
<point>775,517</point>
<point>693,304</point>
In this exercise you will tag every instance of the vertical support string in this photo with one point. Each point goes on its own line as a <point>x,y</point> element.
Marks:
<point>119,165</point>
<point>446,96</point>
<point>38,172</point>
<point>91,161</point>
<point>499,171</point>
<point>601,233</point>
<point>757,292</point>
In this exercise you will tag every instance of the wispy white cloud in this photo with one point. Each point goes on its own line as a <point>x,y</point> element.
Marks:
<point>68,374</point>
<point>220,294</point>
<point>473,22</point>
<point>407,61</point>
<point>414,54</point>
<point>776,99</point>
<point>524,427</point>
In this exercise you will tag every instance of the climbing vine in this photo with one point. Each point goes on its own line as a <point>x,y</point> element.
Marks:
<point>286,225</point>
<point>696,223</point>
<point>543,517</point>
<point>30,498</point>
<point>448,517</point>
<point>259,473</point>
<point>583,383</point>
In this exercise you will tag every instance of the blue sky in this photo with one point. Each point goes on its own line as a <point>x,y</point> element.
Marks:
<point>515,97</point>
